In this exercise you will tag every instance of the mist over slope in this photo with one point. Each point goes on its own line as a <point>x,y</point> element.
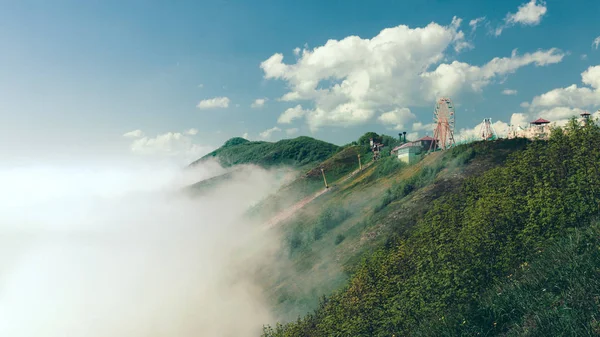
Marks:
<point>121,251</point>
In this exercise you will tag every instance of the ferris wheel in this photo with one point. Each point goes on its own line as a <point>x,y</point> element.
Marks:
<point>444,121</point>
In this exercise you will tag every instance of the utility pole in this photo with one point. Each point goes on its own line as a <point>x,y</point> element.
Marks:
<point>323,172</point>
<point>359,163</point>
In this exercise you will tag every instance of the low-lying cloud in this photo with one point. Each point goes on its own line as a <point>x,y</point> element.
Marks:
<point>96,252</point>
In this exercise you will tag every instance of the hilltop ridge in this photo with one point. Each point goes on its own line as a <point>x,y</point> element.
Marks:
<point>296,152</point>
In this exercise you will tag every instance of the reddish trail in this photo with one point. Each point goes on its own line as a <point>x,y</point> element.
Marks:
<point>293,209</point>
<point>288,212</point>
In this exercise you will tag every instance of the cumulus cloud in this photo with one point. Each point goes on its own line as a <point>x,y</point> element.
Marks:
<point>171,144</point>
<point>348,81</point>
<point>573,95</point>
<point>214,103</point>
<point>475,133</point>
<point>245,135</point>
<point>290,114</point>
<point>291,131</point>
<point>191,132</point>
<point>412,136</point>
<point>475,22</point>
<point>418,126</point>
<point>133,134</point>
<point>122,252</point>
<point>509,92</point>
<point>596,43</point>
<point>269,132</point>
<point>561,104</point>
<point>258,103</point>
<point>396,118</point>
<point>528,14</point>
<point>448,79</point>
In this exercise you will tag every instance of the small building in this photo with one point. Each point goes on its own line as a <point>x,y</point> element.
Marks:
<point>538,129</point>
<point>409,152</point>
<point>585,116</point>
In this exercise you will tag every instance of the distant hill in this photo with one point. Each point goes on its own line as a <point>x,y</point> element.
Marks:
<point>297,152</point>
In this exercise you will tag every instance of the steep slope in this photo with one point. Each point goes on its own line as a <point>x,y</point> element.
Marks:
<point>298,152</point>
<point>446,247</point>
<point>327,238</point>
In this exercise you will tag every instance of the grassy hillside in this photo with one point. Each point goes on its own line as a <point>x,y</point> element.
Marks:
<point>327,238</point>
<point>297,152</point>
<point>440,240</point>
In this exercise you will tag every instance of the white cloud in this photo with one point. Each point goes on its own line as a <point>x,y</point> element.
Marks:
<point>520,119</point>
<point>133,134</point>
<point>396,118</point>
<point>126,243</point>
<point>267,133</point>
<point>509,92</point>
<point>297,51</point>
<point>559,114</point>
<point>500,127</point>
<point>349,80</point>
<point>412,136</point>
<point>191,132</point>
<point>291,131</point>
<point>528,14</point>
<point>584,56</point>
<point>418,126</point>
<point>448,79</point>
<point>200,85</point>
<point>245,135</point>
<point>364,74</point>
<point>259,103</point>
<point>573,95</point>
<point>290,114</point>
<point>475,22</point>
<point>596,43</point>
<point>561,104</point>
<point>172,144</point>
<point>211,103</point>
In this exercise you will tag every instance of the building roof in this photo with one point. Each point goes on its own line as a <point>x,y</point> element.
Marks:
<point>585,113</point>
<point>540,121</point>
<point>425,138</point>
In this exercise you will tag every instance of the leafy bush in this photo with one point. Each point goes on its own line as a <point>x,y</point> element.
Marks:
<point>339,238</point>
<point>386,166</point>
<point>403,188</point>
<point>328,220</point>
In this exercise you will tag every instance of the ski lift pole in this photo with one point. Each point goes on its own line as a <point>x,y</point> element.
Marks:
<point>359,163</point>
<point>324,179</point>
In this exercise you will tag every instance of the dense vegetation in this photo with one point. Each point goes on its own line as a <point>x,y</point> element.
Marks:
<point>299,151</point>
<point>496,233</point>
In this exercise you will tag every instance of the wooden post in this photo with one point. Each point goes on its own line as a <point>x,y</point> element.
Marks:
<point>359,163</point>
<point>325,180</point>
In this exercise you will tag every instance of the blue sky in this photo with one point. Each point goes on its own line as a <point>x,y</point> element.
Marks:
<point>76,76</point>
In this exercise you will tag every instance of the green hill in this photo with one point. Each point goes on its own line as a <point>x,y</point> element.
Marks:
<point>489,238</point>
<point>298,152</point>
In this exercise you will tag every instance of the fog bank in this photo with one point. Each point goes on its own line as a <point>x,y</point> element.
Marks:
<point>119,251</point>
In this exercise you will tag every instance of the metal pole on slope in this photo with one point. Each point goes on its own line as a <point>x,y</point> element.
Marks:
<point>324,179</point>
<point>359,163</point>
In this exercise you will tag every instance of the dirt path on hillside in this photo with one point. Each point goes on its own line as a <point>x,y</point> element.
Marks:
<point>288,212</point>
